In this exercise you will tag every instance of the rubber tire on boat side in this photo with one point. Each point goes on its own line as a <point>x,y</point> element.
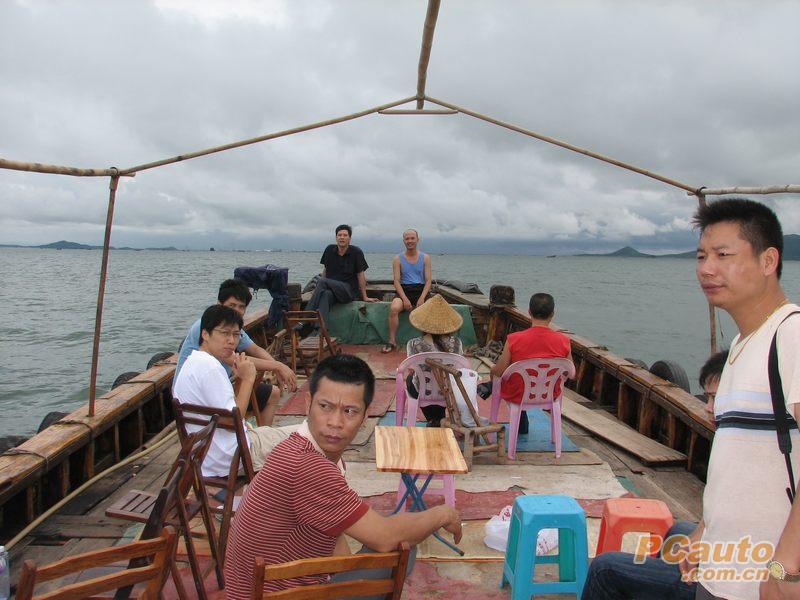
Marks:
<point>157,358</point>
<point>124,377</point>
<point>49,419</point>
<point>637,362</point>
<point>672,372</point>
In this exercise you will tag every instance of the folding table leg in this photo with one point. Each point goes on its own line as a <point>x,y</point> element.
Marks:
<point>418,504</point>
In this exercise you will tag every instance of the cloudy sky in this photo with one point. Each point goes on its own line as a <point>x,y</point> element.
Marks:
<point>706,93</point>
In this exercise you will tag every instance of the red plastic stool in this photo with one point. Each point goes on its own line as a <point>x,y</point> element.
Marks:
<point>623,515</point>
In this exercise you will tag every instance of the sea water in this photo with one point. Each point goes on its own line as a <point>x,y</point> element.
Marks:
<point>649,309</point>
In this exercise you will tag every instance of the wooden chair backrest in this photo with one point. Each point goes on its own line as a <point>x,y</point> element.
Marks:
<point>228,420</point>
<point>161,548</point>
<point>293,317</point>
<point>441,373</point>
<point>391,587</point>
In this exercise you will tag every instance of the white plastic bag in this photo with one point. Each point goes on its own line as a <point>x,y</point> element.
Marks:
<point>470,380</point>
<point>496,530</point>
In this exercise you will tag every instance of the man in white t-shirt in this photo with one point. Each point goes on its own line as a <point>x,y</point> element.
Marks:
<point>204,381</point>
<point>750,532</point>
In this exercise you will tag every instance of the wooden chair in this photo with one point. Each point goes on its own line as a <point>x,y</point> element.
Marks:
<point>476,439</point>
<point>161,548</point>
<point>312,349</point>
<point>241,470</point>
<point>172,506</point>
<point>260,376</point>
<point>392,587</point>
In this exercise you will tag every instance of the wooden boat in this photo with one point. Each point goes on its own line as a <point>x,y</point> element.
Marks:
<point>626,422</point>
<point>644,430</point>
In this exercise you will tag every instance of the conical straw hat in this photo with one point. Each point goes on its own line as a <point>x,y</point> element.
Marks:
<point>436,316</point>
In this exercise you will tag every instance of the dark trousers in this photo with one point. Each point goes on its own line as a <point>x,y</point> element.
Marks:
<point>327,293</point>
<point>373,573</point>
<point>614,576</point>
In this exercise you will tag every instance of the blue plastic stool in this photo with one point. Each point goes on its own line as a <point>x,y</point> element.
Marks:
<point>530,515</point>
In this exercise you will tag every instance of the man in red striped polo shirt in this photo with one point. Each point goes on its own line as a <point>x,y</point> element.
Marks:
<point>299,505</point>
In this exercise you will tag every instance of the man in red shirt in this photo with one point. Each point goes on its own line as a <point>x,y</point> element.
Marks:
<point>299,504</point>
<point>538,341</point>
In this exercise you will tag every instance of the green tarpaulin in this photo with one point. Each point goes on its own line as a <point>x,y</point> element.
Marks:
<point>367,323</point>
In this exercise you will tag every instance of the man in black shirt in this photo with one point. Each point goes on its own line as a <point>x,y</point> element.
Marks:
<point>343,279</point>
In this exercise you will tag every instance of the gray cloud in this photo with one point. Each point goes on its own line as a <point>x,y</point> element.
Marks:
<point>704,93</point>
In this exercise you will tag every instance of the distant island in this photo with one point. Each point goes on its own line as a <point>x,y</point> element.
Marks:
<point>791,251</point>
<point>65,245</point>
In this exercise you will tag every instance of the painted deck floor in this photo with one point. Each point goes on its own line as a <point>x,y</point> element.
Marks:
<point>595,472</point>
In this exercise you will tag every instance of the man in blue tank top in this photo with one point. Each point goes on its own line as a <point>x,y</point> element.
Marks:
<point>412,281</point>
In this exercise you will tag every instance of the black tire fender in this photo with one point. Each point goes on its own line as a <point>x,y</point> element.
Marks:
<point>157,358</point>
<point>49,419</point>
<point>124,377</point>
<point>672,372</point>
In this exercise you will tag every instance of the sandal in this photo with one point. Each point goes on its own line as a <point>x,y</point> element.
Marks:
<point>387,348</point>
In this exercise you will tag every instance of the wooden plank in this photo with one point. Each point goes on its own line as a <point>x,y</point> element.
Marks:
<point>649,451</point>
<point>473,300</point>
<point>418,450</point>
<point>60,526</point>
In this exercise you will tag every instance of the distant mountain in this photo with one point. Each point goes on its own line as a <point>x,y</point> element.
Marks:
<point>630,252</point>
<point>65,245</point>
<point>791,247</point>
<point>627,252</point>
<point>791,251</point>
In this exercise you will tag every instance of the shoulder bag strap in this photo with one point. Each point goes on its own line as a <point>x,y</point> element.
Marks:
<point>783,420</point>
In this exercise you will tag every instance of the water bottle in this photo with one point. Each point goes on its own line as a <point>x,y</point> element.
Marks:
<point>5,582</point>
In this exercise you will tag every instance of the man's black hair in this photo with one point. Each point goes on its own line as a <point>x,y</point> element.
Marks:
<point>216,315</point>
<point>542,306</point>
<point>347,228</point>
<point>713,367</point>
<point>345,368</point>
<point>758,223</point>
<point>236,288</point>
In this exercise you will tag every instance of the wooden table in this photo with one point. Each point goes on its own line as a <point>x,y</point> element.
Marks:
<point>415,451</point>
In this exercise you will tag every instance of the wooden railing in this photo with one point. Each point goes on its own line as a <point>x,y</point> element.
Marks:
<point>44,469</point>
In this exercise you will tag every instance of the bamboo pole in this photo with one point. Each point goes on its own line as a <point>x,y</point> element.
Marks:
<point>264,138</point>
<point>568,146</point>
<point>400,111</point>
<point>16,165</point>
<point>425,51</point>
<point>768,189</point>
<point>98,319</point>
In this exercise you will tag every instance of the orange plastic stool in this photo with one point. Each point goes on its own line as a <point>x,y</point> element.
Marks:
<point>623,515</point>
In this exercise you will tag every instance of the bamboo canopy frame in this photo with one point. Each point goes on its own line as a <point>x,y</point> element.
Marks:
<point>420,97</point>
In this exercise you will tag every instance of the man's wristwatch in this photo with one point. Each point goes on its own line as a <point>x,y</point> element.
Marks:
<point>777,571</point>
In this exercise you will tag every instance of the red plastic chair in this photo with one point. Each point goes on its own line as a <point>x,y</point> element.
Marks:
<point>544,380</point>
<point>623,515</point>
<point>428,392</point>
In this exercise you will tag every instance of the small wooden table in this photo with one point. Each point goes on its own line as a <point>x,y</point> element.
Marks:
<point>415,451</point>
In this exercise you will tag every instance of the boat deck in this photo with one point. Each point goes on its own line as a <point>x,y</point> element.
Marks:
<point>594,471</point>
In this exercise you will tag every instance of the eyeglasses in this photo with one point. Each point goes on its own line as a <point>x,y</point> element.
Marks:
<point>235,335</point>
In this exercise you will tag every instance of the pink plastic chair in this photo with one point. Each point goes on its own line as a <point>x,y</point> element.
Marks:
<point>540,376</point>
<point>428,392</point>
